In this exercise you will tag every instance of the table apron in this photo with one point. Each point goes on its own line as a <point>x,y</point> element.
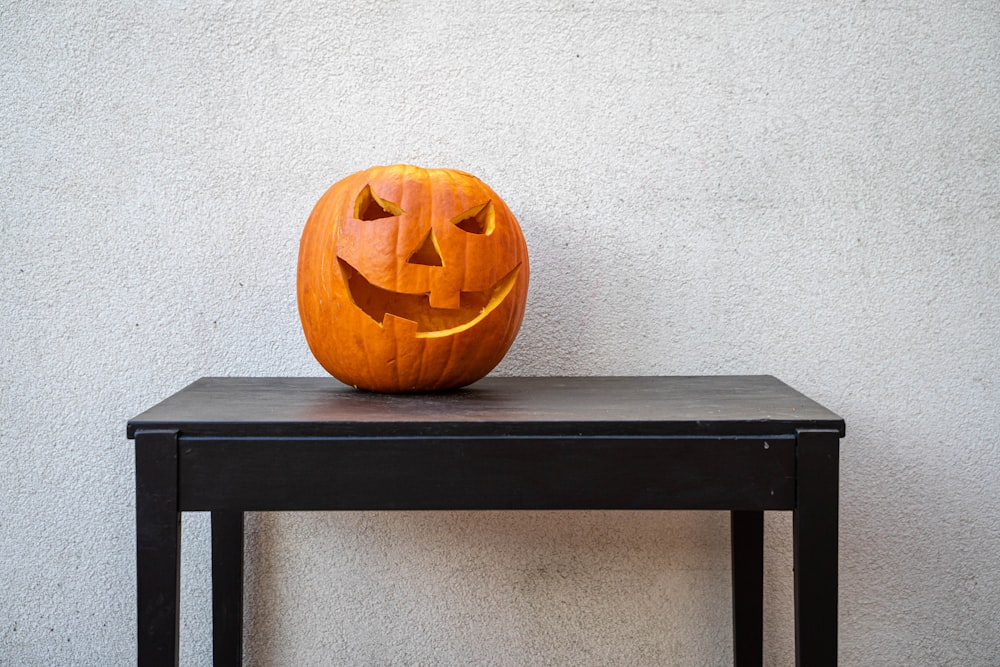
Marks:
<point>487,473</point>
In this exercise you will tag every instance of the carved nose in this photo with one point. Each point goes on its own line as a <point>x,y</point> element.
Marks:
<point>427,252</point>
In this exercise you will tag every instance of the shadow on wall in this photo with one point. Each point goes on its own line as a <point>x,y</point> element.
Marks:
<point>513,587</point>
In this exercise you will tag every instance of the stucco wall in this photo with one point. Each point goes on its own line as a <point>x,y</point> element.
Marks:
<point>803,190</point>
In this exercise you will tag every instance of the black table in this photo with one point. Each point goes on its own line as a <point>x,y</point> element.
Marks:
<point>743,444</point>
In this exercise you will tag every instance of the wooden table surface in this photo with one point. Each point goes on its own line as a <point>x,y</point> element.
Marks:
<point>703,405</point>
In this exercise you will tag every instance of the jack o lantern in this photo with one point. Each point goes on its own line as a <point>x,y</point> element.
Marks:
<point>411,279</point>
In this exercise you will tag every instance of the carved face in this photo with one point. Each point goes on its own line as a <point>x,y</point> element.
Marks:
<point>411,279</point>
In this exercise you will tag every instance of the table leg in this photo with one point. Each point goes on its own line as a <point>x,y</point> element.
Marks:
<point>814,527</point>
<point>748,587</point>
<point>227,587</point>
<point>158,535</point>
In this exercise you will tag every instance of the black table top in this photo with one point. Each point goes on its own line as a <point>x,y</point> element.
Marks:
<point>540,406</point>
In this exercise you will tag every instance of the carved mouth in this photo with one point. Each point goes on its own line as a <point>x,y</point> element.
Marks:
<point>431,322</point>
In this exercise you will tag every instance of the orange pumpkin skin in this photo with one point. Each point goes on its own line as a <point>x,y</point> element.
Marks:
<point>411,279</point>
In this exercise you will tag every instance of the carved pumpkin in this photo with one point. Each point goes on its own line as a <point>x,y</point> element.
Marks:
<point>411,279</point>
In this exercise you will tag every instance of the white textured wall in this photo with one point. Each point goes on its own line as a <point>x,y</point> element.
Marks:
<point>706,187</point>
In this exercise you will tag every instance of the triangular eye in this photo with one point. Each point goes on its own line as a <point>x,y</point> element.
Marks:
<point>477,220</point>
<point>369,206</point>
